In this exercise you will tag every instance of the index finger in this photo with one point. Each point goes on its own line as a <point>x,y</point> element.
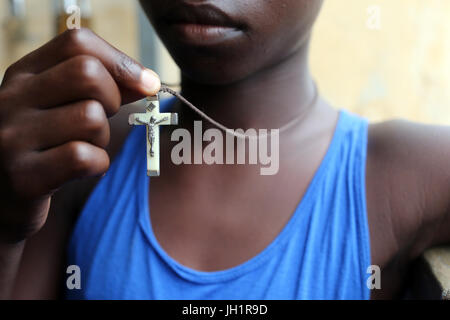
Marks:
<point>134,80</point>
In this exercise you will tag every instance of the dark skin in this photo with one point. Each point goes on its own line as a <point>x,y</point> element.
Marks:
<point>258,79</point>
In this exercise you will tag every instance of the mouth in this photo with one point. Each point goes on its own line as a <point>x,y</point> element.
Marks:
<point>202,24</point>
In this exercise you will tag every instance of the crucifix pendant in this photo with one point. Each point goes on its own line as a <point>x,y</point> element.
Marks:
<point>152,119</point>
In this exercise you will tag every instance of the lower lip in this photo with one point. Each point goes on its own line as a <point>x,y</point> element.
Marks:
<point>199,34</point>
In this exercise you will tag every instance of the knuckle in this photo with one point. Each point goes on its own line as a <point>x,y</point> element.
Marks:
<point>88,68</point>
<point>93,116</point>
<point>79,158</point>
<point>95,123</point>
<point>86,161</point>
<point>78,37</point>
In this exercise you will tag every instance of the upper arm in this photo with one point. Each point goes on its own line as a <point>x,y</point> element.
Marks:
<point>411,163</point>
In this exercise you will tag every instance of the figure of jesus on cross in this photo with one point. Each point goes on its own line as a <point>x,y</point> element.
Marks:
<point>152,119</point>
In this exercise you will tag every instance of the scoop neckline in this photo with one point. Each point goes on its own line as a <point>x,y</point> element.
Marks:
<point>198,276</point>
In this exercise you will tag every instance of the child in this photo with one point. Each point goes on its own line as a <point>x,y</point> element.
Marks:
<point>347,196</point>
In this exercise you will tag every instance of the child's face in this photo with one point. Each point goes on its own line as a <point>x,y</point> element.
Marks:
<point>252,34</point>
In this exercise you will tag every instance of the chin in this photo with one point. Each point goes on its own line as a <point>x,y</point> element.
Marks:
<point>212,75</point>
<point>214,69</point>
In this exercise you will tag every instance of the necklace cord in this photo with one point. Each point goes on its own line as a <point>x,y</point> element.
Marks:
<point>165,89</point>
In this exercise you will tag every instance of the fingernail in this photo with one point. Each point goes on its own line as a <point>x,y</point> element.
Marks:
<point>150,81</point>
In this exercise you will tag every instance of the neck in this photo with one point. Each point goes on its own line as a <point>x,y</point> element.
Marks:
<point>269,99</point>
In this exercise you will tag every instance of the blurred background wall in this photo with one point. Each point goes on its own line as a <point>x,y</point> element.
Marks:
<point>400,69</point>
<point>378,58</point>
<point>115,20</point>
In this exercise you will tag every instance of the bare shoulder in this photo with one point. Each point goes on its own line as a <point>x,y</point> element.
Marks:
<point>408,186</point>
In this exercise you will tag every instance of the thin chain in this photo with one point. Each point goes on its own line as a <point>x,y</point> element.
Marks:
<point>166,89</point>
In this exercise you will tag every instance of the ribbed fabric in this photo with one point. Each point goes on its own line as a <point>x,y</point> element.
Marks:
<point>323,252</point>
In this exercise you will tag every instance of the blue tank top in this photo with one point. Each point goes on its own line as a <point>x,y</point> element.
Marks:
<point>323,252</point>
